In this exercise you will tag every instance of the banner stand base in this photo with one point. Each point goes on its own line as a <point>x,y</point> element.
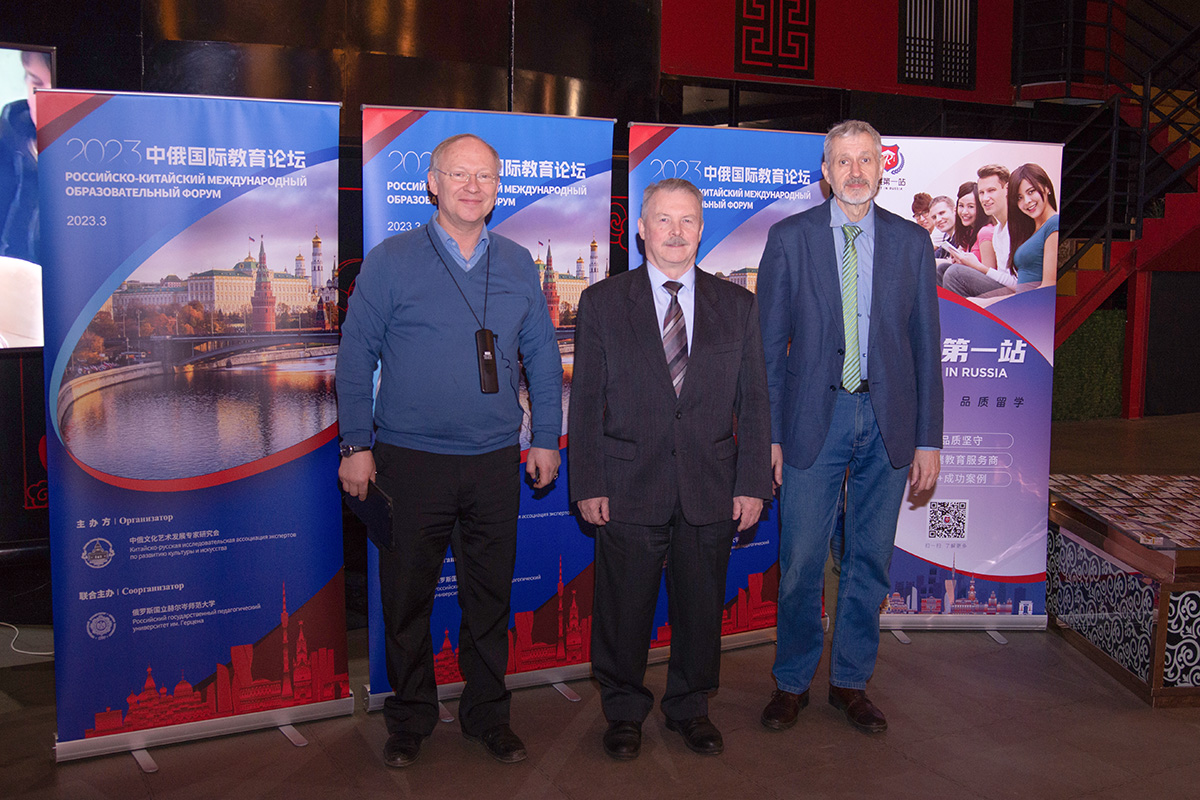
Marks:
<point>991,624</point>
<point>143,759</point>
<point>901,636</point>
<point>997,636</point>
<point>567,692</point>
<point>137,741</point>
<point>444,713</point>
<point>294,736</point>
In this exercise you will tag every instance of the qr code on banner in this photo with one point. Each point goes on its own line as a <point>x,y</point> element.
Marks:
<point>948,519</point>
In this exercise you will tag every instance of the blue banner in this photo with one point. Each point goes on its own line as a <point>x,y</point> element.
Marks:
<point>977,550</point>
<point>554,199</point>
<point>195,518</point>
<point>750,180</point>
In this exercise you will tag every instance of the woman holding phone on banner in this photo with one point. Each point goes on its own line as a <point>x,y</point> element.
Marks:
<point>1033,217</point>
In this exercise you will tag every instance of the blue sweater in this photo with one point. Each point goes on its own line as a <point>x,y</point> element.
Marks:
<point>1028,258</point>
<point>407,315</point>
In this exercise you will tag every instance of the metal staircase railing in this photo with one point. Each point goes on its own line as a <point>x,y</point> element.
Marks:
<point>1142,62</point>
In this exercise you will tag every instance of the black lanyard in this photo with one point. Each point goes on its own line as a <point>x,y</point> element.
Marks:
<point>486,283</point>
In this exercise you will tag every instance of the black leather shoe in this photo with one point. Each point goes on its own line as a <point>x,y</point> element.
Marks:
<point>501,743</point>
<point>402,749</point>
<point>861,712</point>
<point>781,712</point>
<point>623,740</point>
<point>700,735</point>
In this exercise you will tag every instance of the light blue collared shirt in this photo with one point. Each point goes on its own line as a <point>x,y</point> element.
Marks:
<point>451,245</point>
<point>662,298</point>
<point>864,246</point>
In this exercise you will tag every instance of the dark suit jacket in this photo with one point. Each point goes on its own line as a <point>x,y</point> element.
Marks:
<point>632,440</point>
<point>800,300</point>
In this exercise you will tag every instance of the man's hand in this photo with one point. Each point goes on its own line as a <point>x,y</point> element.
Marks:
<point>356,471</point>
<point>747,510</point>
<point>777,464</point>
<point>923,474</point>
<point>542,466</point>
<point>594,510</point>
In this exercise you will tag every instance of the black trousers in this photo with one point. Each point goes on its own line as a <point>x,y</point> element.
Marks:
<point>629,564</point>
<point>470,503</point>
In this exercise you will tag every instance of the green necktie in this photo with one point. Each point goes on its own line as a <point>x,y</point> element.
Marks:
<point>850,369</point>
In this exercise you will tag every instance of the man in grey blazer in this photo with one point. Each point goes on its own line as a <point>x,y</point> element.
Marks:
<point>668,366</point>
<point>858,395</point>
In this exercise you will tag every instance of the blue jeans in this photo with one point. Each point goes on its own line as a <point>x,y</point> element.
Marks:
<point>808,506</point>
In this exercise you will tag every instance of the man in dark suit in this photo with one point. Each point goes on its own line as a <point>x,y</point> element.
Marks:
<point>667,359</point>
<point>852,288</point>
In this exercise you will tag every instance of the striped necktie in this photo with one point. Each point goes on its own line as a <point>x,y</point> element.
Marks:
<point>675,337</point>
<point>850,367</point>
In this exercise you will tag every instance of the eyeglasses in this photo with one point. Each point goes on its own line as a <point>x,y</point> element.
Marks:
<point>461,176</point>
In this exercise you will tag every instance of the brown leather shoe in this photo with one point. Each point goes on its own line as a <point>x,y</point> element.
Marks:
<point>780,713</point>
<point>861,712</point>
<point>501,743</point>
<point>700,735</point>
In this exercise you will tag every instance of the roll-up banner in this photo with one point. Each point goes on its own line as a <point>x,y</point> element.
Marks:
<point>750,180</point>
<point>974,556</point>
<point>195,519</point>
<point>554,199</point>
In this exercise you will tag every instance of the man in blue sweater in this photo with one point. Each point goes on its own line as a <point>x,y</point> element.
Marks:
<point>444,310</point>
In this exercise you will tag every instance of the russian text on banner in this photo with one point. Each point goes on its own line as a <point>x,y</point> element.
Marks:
<point>190,342</point>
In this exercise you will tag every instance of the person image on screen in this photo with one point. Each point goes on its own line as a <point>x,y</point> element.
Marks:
<point>19,229</point>
<point>667,359</point>
<point>849,310</point>
<point>443,310</point>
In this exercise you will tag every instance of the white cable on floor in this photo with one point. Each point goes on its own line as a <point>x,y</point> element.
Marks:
<point>13,643</point>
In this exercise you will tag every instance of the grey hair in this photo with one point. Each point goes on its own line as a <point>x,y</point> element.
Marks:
<point>851,127</point>
<point>672,185</point>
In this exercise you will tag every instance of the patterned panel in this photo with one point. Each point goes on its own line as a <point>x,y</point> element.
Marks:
<point>1111,608</point>
<point>775,37</point>
<point>1181,666</point>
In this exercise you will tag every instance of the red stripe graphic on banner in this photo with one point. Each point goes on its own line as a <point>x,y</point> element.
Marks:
<point>1035,578</point>
<point>214,478</point>
<point>380,140</point>
<point>60,111</point>
<point>946,294</point>
<point>643,140</point>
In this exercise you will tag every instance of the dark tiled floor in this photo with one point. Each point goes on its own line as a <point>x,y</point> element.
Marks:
<point>969,718</point>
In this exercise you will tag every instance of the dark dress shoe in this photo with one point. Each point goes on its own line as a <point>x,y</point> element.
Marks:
<point>623,740</point>
<point>700,735</point>
<point>501,743</point>
<point>861,712</point>
<point>402,749</point>
<point>780,713</point>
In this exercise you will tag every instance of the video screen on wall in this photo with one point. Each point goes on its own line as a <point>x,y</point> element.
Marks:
<point>23,69</point>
